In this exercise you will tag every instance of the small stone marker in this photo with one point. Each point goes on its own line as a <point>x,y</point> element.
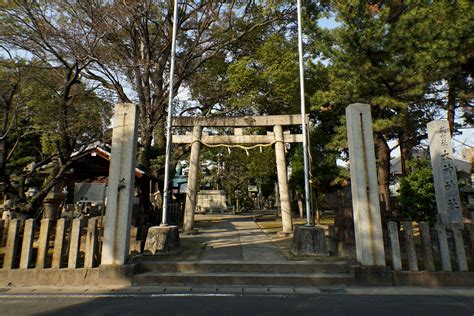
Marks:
<point>43,243</point>
<point>410,246</point>
<point>27,245</point>
<point>459,244</point>
<point>120,188</point>
<point>309,240</point>
<point>9,261</point>
<point>426,245</point>
<point>444,173</point>
<point>364,186</point>
<point>443,247</point>
<point>395,246</point>
<point>162,240</point>
<point>58,250</point>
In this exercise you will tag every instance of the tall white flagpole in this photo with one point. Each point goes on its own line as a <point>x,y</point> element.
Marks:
<point>303,119</point>
<point>166,190</point>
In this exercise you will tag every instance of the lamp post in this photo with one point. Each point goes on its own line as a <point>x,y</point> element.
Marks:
<point>303,119</point>
<point>166,190</point>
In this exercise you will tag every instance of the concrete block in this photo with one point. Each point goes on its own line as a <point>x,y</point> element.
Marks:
<point>309,240</point>
<point>116,275</point>
<point>162,240</point>
<point>371,275</point>
<point>433,279</point>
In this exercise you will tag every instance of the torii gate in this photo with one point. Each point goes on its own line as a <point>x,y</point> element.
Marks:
<point>277,137</point>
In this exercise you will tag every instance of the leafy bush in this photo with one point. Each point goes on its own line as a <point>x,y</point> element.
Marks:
<point>417,194</point>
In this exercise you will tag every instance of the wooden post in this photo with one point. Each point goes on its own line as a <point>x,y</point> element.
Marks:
<point>27,245</point>
<point>91,243</point>
<point>426,245</point>
<point>43,243</point>
<point>11,248</point>
<point>395,246</point>
<point>58,250</point>
<point>74,244</point>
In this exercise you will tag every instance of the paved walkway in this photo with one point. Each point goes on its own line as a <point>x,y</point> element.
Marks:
<point>234,238</point>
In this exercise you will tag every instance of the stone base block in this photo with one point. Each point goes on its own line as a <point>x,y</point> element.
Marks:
<point>309,240</point>
<point>162,240</point>
<point>116,275</point>
<point>284,234</point>
<point>371,275</point>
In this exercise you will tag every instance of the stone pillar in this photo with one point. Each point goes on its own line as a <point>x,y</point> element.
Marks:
<point>27,245</point>
<point>191,195</point>
<point>43,243</point>
<point>120,186</point>
<point>444,174</point>
<point>365,196</point>
<point>59,244</point>
<point>410,246</point>
<point>11,248</point>
<point>395,246</point>
<point>91,243</point>
<point>426,246</point>
<point>443,247</point>
<point>282,180</point>
<point>74,243</point>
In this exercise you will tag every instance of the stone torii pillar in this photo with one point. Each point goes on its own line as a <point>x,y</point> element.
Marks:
<point>282,180</point>
<point>191,195</point>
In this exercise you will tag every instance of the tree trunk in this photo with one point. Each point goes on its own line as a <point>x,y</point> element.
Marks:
<point>37,199</point>
<point>451,105</point>
<point>405,151</point>
<point>383,172</point>
<point>144,163</point>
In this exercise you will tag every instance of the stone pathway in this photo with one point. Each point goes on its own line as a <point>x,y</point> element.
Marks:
<point>237,238</point>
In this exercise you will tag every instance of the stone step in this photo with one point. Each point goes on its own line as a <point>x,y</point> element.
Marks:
<point>242,267</point>
<point>238,278</point>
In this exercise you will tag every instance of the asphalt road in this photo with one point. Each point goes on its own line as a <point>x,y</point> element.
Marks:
<point>229,304</point>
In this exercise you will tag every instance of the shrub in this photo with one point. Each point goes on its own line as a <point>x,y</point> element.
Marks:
<point>417,194</point>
